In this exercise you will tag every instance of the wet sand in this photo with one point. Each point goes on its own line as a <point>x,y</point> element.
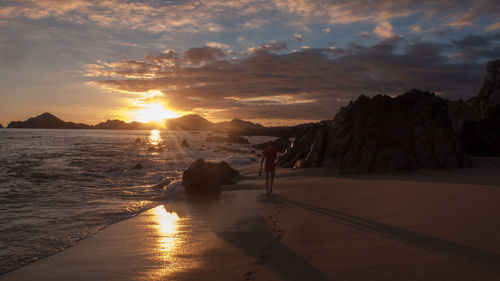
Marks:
<point>423,225</point>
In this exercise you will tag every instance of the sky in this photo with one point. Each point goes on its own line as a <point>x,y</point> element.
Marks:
<point>274,62</point>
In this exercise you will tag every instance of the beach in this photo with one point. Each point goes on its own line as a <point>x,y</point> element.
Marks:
<point>420,225</point>
<point>133,135</point>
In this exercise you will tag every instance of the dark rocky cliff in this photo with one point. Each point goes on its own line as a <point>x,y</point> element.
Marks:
<point>382,134</point>
<point>481,136</point>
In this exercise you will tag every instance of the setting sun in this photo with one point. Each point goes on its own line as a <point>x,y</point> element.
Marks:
<point>154,112</point>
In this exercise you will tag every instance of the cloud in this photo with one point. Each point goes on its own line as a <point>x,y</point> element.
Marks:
<point>202,55</point>
<point>255,23</point>
<point>493,26</point>
<point>415,28</point>
<point>241,39</point>
<point>425,51</point>
<point>149,16</point>
<point>218,45</point>
<point>216,16</point>
<point>298,37</point>
<point>308,84</point>
<point>169,58</point>
<point>384,30</point>
<point>272,100</point>
<point>13,49</point>
<point>474,47</point>
<point>448,12</point>
<point>272,46</point>
<point>474,11</point>
<point>365,34</point>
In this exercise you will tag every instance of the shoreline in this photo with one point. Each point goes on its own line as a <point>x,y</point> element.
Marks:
<point>155,202</point>
<point>425,224</point>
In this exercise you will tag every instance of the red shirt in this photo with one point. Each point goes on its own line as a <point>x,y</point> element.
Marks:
<point>269,156</point>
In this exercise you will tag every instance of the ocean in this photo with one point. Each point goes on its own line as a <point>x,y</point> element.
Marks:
<point>61,186</point>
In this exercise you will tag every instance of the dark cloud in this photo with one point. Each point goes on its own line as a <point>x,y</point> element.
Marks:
<point>425,50</point>
<point>169,57</point>
<point>308,84</point>
<point>478,47</point>
<point>204,54</point>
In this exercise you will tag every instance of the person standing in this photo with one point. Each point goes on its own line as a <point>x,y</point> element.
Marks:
<point>268,157</point>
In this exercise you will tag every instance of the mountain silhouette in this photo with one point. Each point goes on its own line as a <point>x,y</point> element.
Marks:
<point>191,122</point>
<point>238,125</point>
<point>47,121</point>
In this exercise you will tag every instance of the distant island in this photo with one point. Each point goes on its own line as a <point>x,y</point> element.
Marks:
<point>191,122</point>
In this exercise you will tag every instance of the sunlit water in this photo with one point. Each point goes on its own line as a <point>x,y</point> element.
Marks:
<point>59,186</point>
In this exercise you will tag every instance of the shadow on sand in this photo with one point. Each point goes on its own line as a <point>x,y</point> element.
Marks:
<point>287,263</point>
<point>479,174</point>
<point>251,233</point>
<point>484,259</point>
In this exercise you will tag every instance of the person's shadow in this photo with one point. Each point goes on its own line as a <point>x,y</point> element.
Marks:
<point>253,235</point>
<point>478,257</point>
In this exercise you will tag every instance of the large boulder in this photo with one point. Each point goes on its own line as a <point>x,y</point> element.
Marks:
<point>382,134</point>
<point>204,178</point>
<point>184,143</point>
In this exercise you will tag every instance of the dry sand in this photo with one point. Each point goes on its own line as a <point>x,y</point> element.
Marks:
<point>423,225</point>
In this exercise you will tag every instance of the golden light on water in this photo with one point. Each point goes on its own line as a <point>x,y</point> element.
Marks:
<point>167,228</point>
<point>155,137</point>
<point>168,244</point>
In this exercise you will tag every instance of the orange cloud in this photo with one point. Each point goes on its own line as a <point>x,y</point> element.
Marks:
<point>306,84</point>
<point>384,30</point>
<point>209,16</point>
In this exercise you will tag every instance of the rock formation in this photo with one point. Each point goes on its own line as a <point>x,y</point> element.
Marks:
<point>489,94</point>
<point>381,134</point>
<point>280,144</point>
<point>205,178</point>
<point>138,166</point>
<point>462,111</point>
<point>184,143</point>
<point>482,136</point>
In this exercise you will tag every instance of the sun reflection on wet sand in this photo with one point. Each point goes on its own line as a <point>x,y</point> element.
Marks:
<point>167,228</point>
<point>155,137</point>
<point>168,239</point>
